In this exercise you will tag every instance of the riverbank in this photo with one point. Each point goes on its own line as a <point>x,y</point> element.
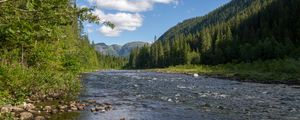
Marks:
<point>21,85</point>
<point>285,71</point>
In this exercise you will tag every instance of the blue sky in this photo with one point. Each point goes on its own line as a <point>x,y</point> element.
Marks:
<point>141,20</point>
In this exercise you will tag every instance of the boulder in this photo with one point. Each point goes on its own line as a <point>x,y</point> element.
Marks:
<point>26,116</point>
<point>196,75</point>
<point>17,109</point>
<point>6,109</point>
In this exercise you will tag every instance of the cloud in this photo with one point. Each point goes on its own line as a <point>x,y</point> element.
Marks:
<point>109,32</point>
<point>129,5</point>
<point>128,14</point>
<point>123,22</point>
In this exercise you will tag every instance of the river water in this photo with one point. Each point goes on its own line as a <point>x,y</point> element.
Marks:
<point>142,95</point>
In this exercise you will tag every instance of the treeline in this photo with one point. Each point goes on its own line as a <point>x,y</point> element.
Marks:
<point>42,48</point>
<point>247,31</point>
<point>111,62</point>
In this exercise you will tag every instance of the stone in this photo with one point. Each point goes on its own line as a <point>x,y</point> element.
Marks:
<point>47,109</point>
<point>26,115</point>
<point>108,107</point>
<point>196,75</point>
<point>40,118</point>
<point>93,109</point>
<point>62,107</point>
<point>34,112</point>
<point>6,109</point>
<point>100,108</point>
<point>80,107</point>
<point>28,106</point>
<point>74,108</point>
<point>17,109</point>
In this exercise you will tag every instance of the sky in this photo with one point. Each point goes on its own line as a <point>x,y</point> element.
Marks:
<point>142,20</point>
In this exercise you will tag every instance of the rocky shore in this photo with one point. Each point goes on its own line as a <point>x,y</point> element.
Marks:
<point>32,110</point>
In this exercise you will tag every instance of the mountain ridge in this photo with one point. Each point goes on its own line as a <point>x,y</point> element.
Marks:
<point>118,50</point>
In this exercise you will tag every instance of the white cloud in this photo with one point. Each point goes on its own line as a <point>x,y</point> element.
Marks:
<point>109,32</point>
<point>123,22</point>
<point>128,17</point>
<point>129,5</point>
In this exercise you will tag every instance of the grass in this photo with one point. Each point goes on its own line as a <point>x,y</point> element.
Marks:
<point>286,71</point>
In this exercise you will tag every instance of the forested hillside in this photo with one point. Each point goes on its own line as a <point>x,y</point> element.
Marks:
<point>240,31</point>
<point>42,48</point>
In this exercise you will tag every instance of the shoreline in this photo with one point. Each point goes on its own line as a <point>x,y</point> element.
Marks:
<point>228,76</point>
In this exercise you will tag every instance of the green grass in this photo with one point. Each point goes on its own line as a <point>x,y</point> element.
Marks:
<point>285,71</point>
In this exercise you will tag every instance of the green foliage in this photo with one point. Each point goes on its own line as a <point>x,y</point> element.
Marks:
<point>242,31</point>
<point>42,48</point>
<point>111,62</point>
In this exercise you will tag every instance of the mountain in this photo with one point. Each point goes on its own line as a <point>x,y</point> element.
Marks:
<point>117,50</point>
<point>239,31</point>
<point>107,50</point>
<point>127,48</point>
<point>191,26</point>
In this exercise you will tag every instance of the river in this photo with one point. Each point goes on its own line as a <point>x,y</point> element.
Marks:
<point>142,95</point>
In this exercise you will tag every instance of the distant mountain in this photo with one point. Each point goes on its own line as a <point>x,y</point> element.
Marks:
<point>118,50</point>
<point>126,49</point>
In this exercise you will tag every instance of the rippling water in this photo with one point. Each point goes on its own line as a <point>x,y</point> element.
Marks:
<point>140,95</point>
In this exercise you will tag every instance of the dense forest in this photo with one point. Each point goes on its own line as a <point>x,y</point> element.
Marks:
<point>43,48</point>
<point>240,31</point>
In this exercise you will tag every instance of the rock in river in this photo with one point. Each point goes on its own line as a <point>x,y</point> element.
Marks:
<point>196,75</point>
